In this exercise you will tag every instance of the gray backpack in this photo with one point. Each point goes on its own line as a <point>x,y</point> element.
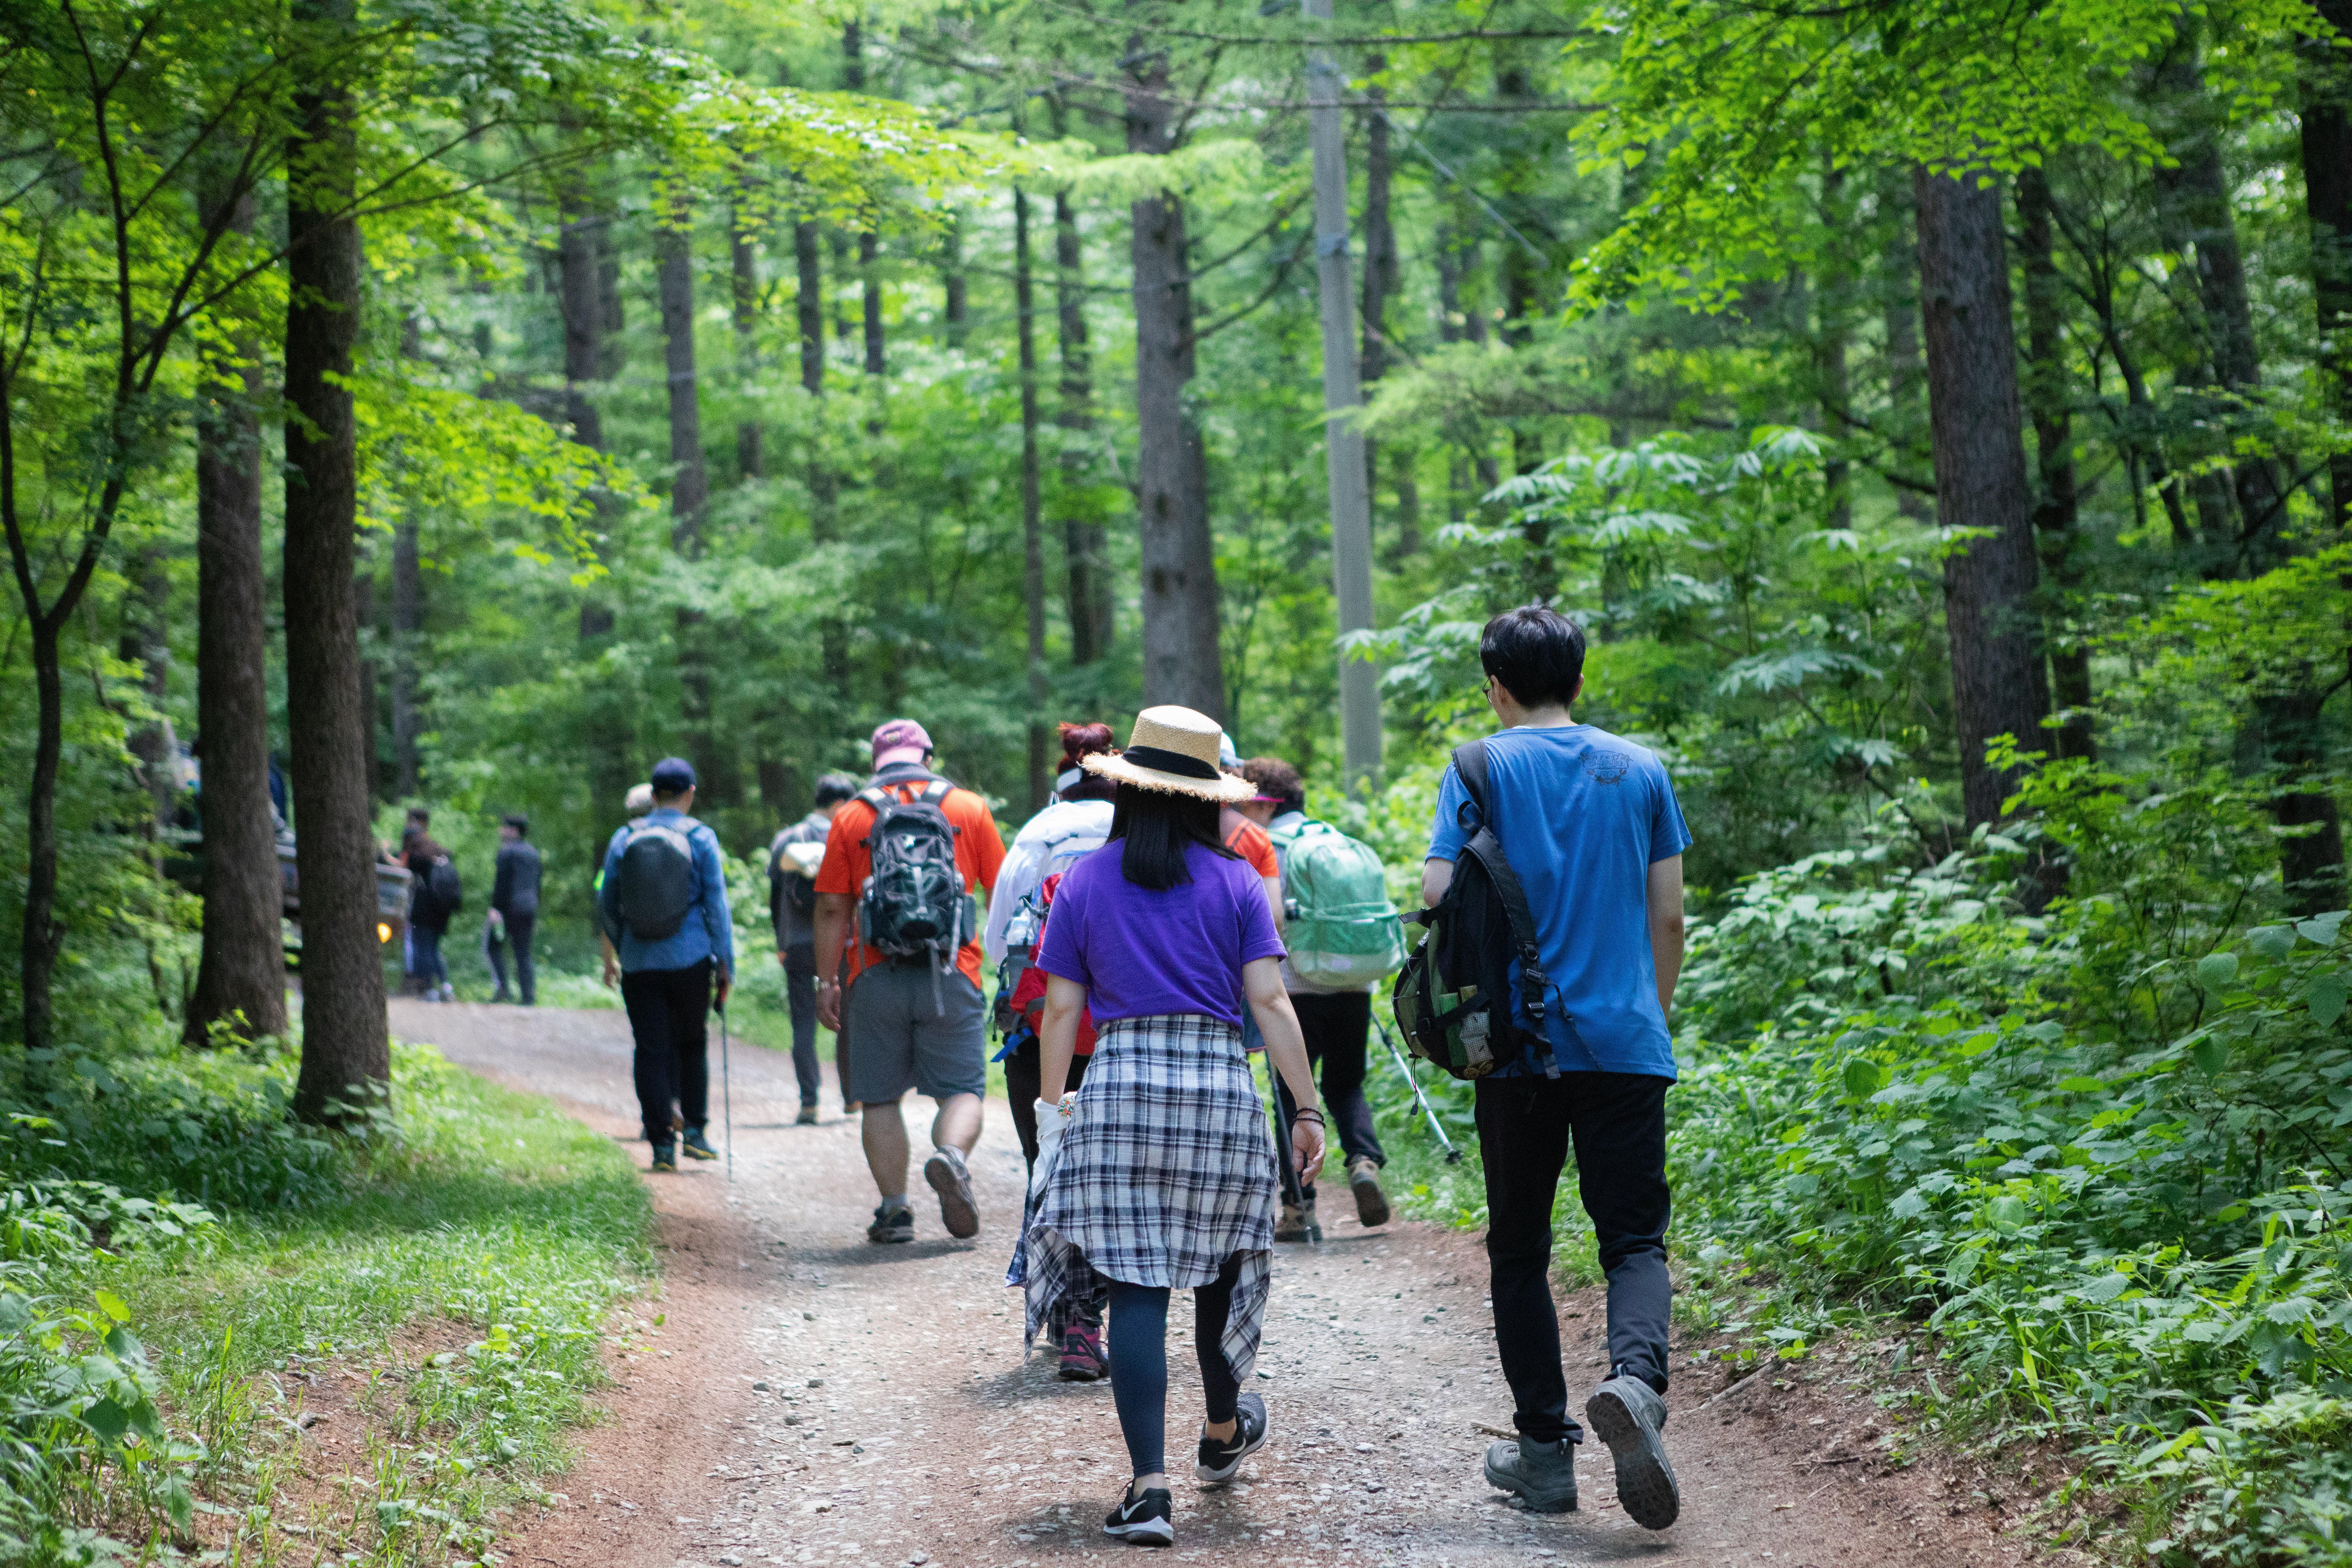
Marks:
<point>654,880</point>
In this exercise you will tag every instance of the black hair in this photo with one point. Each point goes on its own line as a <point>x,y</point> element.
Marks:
<point>834,787</point>
<point>1278,781</point>
<point>1157,827</point>
<point>521,823</point>
<point>1537,654</point>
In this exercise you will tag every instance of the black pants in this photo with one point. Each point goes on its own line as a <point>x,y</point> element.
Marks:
<point>799,992</point>
<point>669,1013</point>
<point>425,948</point>
<point>1336,1026</point>
<point>1139,1361</point>
<point>1618,1122</point>
<point>1023,1071</point>
<point>518,933</point>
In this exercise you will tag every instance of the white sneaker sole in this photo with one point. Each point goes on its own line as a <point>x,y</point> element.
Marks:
<point>1144,1532</point>
<point>1265,1430</point>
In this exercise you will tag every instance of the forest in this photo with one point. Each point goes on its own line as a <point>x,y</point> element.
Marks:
<point>1939,418</point>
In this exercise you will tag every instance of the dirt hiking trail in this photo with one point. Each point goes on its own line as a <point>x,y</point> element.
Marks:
<point>812,1399</point>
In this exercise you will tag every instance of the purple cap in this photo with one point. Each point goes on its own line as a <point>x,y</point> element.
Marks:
<point>901,738</point>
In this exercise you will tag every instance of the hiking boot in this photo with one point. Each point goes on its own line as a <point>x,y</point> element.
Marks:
<point>697,1145</point>
<point>891,1224</point>
<point>1542,1475</point>
<point>1364,1179</point>
<point>1083,1359</point>
<point>664,1157</point>
<point>1298,1222</point>
<point>1627,1413</point>
<point>949,1176</point>
<point>807,1117</point>
<point>1221,1458</point>
<point>500,996</point>
<point>1146,1520</point>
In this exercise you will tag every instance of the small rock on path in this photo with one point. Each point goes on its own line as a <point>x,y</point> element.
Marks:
<point>811,1399</point>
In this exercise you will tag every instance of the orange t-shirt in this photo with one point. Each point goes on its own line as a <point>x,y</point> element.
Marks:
<point>1248,841</point>
<point>979,850</point>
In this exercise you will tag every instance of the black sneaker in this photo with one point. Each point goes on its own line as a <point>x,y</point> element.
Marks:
<point>1627,1413</point>
<point>1146,1520</point>
<point>807,1117</point>
<point>891,1224</point>
<point>664,1157</point>
<point>697,1145</point>
<point>1218,1459</point>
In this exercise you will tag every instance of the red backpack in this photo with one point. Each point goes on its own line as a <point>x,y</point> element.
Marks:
<point>1029,995</point>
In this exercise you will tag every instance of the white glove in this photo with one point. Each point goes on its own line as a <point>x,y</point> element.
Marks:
<point>1053,1122</point>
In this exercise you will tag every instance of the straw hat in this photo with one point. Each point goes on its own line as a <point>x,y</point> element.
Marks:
<point>1175,749</point>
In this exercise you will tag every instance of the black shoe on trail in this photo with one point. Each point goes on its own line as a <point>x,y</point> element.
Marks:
<point>664,1157</point>
<point>1542,1475</point>
<point>1146,1520</point>
<point>1220,1458</point>
<point>1627,1415</point>
<point>697,1145</point>
<point>891,1224</point>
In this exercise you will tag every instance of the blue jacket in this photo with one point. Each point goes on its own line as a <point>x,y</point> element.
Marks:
<point>708,932</point>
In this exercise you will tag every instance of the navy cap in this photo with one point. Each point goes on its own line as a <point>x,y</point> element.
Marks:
<point>673,776</point>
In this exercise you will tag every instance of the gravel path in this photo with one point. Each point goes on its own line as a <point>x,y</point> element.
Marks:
<point>809,1399</point>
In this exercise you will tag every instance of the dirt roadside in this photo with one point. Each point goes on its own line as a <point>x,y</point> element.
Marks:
<point>812,1399</point>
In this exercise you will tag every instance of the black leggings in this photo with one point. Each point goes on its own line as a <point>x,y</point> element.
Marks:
<point>1139,1361</point>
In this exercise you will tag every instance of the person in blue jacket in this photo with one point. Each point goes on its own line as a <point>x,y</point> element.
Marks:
<point>664,894</point>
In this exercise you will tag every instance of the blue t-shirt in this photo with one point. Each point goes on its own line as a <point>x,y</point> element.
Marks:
<point>709,930</point>
<point>1581,815</point>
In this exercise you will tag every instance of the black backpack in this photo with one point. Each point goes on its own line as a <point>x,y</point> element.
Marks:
<point>914,905</point>
<point>441,880</point>
<point>654,880</point>
<point>1447,995</point>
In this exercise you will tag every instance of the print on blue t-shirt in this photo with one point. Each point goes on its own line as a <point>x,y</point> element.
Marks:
<point>1581,815</point>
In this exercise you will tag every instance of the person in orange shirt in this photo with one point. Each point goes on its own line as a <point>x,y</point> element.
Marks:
<point>1251,843</point>
<point>903,992</point>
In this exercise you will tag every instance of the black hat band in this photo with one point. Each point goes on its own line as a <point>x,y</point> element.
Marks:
<point>1166,762</point>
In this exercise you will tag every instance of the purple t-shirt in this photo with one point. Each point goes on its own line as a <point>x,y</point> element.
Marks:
<point>1141,953</point>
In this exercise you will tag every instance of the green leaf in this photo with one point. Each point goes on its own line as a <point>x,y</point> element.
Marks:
<point>1910,1206</point>
<point>2078,1084</point>
<point>2271,942</point>
<point>109,1420</point>
<point>112,1305</point>
<point>2326,995</point>
<point>1862,1077</point>
<point>2216,969</point>
<point>2321,929</point>
<point>2211,1055</point>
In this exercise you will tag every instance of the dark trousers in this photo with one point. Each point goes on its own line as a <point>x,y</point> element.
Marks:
<point>799,992</point>
<point>1023,1069</point>
<point>1336,1026</point>
<point>425,948</point>
<point>1139,1361</point>
<point>518,928</point>
<point>670,1012</point>
<point>1618,1123</point>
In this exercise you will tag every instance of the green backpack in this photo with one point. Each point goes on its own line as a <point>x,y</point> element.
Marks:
<point>1342,931</point>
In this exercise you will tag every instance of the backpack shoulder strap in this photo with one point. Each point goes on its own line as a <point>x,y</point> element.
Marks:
<point>935,792</point>
<point>1470,760</point>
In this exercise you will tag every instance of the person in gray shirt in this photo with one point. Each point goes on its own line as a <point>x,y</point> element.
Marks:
<point>514,908</point>
<point>791,909</point>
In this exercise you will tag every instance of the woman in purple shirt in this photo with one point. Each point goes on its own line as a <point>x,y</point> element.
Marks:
<point>1161,1179</point>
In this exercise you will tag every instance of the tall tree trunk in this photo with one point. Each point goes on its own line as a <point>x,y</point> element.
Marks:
<point>346,1056</point>
<point>2048,394</point>
<point>1899,267</point>
<point>407,629</point>
<point>1182,661</point>
<point>955,314</point>
<point>749,460</point>
<point>1086,539</point>
<point>2327,114</point>
<point>824,484</point>
<point>146,641</point>
<point>1998,686</point>
<point>1833,307</point>
<point>1380,287</point>
<point>1033,518</point>
<point>241,973</point>
<point>580,291</point>
<point>690,492</point>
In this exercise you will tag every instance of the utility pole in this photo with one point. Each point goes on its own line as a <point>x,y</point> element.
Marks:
<point>1343,444</point>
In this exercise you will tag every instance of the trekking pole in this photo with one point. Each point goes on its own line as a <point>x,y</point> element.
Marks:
<point>1404,1065</point>
<point>727,1091</point>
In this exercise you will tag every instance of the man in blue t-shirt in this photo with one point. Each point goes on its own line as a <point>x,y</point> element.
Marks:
<point>1589,825</point>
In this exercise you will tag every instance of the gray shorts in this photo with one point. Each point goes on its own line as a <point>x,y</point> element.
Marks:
<point>898,1034</point>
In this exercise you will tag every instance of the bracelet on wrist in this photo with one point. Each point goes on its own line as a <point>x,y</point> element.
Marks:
<point>1308,1113</point>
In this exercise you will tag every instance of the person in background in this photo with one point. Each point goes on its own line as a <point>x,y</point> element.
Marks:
<point>1336,1025</point>
<point>1247,839</point>
<point>665,895</point>
<point>792,910</point>
<point>1590,827</point>
<point>1076,823</point>
<point>912,1023</point>
<point>634,805</point>
<point>514,908</point>
<point>433,882</point>
<point>412,828</point>
<point>1158,1177</point>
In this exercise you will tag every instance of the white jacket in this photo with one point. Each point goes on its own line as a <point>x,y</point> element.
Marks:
<point>1048,841</point>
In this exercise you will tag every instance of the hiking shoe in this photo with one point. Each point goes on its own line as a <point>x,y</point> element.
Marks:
<point>664,1157</point>
<point>1627,1415</point>
<point>1542,1475</point>
<point>949,1176</point>
<point>1298,1222</point>
<point>500,996</point>
<point>807,1117</point>
<point>891,1224</point>
<point>1364,1178</point>
<point>1083,1359</point>
<point>1220,1458</point>
<point>697,1145</point>
<point>1146,1520</point>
